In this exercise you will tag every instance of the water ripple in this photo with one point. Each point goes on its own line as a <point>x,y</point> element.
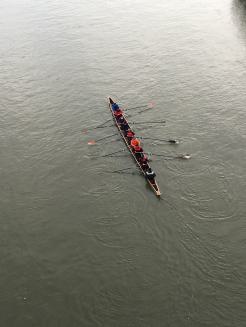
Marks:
<point>212,196</point>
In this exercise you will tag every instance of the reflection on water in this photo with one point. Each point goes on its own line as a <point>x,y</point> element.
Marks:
<point>239,16</point>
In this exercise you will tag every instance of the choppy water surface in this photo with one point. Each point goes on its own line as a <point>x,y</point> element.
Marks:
<point>82,247</point>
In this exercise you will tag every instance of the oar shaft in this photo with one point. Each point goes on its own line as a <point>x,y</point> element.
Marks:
<point>159,155</point>
<point>102,126</point>
<point>119,155</point>
<point>121,172</point>
<point>180,156</point>
<point>109,154</point>
<point>148,122</point>
<point>137,113</point>
<point>104,122</point>
<point>136,107</point>
<point>118,170</point>
<point>106,137</point>
<point>155,139</point>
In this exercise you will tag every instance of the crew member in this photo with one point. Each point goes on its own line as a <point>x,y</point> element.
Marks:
<point>129,134</point>
<point>115,106</point>
<point>135,142</point>
<point>143,160</point>
<point>145,166</point>
<point>121,120</point>
<point>138,151</point>
<point>150,174</point>
<point>124,127</point>
<point>123,124</point>
<point>118,113</point>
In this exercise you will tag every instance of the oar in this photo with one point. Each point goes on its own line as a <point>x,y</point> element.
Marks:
<point>93,142</point>
<point>149,105</point>
<point>96,127</point>
<point>105,122</point>
<point>100,144</point>
<point>141,111</point>
<point>148,122</point>
<point>122,172</point>
<point>109,154</point>
<point>172,141</point>
<point>113,156</point>
<point>120,155</point>
<point>119,170</point>
<point>102,126</point>
<point>137,113</point>
<point>180,156</point>
<point>138,107</point>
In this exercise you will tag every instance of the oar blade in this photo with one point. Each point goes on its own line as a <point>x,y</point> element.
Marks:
<point>91,142</point>
<point>173,141</point>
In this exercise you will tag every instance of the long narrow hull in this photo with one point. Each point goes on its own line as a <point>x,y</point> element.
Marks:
<point>153,184</point>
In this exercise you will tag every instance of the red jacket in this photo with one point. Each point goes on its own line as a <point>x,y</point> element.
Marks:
<point>118,113</point>
<point>138,148</point>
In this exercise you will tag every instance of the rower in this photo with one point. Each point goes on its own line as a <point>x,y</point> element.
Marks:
<point>145,166</point>
<point>150,174</point>
<point>129,134</point>
<point>135,142</point>
<point>124,126</point>
<point>118,113</point>
<point>138,151</point>
<point>121,119</point>
<point>143,160</point>
<point>115,106</point>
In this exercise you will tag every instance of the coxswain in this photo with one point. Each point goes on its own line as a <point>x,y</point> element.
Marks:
<point>135,142</point>
<point>115,106</point>
<point>150,174</point>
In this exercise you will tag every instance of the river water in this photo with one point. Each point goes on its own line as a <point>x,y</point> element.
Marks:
<point>83,247</point>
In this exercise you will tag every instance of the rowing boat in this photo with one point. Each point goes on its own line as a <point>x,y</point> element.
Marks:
<point>152,182</point>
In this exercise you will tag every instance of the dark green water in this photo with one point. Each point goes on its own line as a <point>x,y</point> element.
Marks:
<point>81,247</point>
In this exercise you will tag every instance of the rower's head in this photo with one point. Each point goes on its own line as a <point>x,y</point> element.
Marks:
<point>144,165</point>
<point>130,132</point>
<point>144,159</point>
<point>138,148</point>
<point>135,142</point>
<point>118,113</point>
